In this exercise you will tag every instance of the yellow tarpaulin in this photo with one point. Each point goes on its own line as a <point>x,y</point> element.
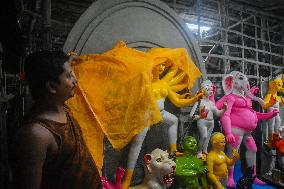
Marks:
<point>114,95</point>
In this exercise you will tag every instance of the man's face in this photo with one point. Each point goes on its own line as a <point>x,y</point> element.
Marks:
<point>67,82</point>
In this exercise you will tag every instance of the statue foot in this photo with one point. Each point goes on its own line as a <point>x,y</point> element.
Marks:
<point>259,182</point>
<point>269,173</point>
<point>231,183</point>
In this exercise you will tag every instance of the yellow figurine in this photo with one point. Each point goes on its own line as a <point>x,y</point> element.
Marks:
<point>218,162</point>
<point>273,101</point>
<point>274,86</point>
<point>172,82</point>
<point>120,95</point>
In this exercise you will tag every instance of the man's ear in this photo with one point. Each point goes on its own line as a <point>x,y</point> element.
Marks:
<point>51,87</point>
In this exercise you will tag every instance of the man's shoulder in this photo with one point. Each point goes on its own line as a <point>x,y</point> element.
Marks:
<point>34,130</point>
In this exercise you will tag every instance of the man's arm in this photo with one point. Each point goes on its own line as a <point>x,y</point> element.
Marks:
<point>30,150</point>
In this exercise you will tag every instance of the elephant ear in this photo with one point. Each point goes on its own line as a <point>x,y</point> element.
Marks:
<point>227,83</point>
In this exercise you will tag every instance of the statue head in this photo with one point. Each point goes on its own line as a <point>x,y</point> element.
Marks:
<point>207,87</point>
<point>276,84</point>
<point>159,169</point>
<point>218,141</point>
<point>237,83</point>
<point>190,145</point>
<point>161,65</point>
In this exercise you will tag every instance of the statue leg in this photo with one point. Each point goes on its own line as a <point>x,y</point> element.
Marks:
<point>271,125</point>
<point>251,157</point>
<point>133,154</point>
<point>202,128</point>
<point>275,128</point>
<point>272,163</point>
<point>210,127</point>
<point>238,134</point>
<point>204,182</point>
<point>277,123</point>
<point>172,121</point>
<point>281,161</point>
<point>265,130</point>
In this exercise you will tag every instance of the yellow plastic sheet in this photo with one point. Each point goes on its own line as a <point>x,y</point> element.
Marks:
<point>114,96</point>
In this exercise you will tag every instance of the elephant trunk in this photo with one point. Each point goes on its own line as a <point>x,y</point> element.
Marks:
<point>252,97</point>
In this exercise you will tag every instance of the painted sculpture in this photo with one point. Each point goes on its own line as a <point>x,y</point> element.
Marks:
<point>205,119</point>
<point>159,170</point>
<point>273,101</point>
<point>120,95</point>
<point>277,143</point>
<point>118,180</point>
<point>239,120</point>
<point>191,171</point>
<point>217,161</point>
<point>173,81</point>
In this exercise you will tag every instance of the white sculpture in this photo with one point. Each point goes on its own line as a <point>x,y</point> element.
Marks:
<point>159,170</point>
<point>205,121</point>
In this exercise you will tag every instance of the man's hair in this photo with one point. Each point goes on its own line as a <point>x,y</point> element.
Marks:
<point>41,67</point>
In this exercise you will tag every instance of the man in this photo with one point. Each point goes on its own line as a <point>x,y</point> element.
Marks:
<point>49,151</point>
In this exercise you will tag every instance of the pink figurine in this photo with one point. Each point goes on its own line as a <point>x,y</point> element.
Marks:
<point>239,120</point>
<point>118,180</point>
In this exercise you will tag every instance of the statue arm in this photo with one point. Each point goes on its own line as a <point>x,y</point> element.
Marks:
<point>170,74</point>
<point>210,174</point>
<point>183,96</point>
<point>219,104</point>
<point>177,79</point>
<point>235,157</point>
<point>183,102</point>
<point>192,111</point>
<point>268,101</point>
<point>186,172</point>
<point>179,87</point>
<point>218,112</point>
<point>182,169</point>
<point>226,117</point>
<point>281,101</point>
<point>267,115</point>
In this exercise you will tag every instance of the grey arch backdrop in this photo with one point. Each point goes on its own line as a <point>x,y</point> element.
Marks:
<point>141,24</point>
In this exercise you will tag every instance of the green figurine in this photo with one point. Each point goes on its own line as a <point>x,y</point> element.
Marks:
<point>190,170</point>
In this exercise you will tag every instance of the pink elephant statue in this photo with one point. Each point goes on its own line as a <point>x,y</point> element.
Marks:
<point>239,120</point>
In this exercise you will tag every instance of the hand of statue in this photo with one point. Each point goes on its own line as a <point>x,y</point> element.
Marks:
<point>200,94</point>
<point>275,112</point>
<point>204,169</point>
<point>235,154</point>
<point>254,90</point>
<point>225,106</point>
<point>187,95</point>
<point>195,117</point>
<point>230,138</point>
<point>272,101</point>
